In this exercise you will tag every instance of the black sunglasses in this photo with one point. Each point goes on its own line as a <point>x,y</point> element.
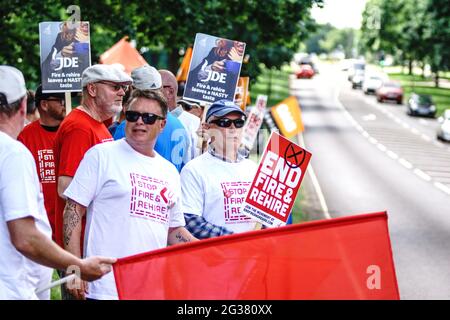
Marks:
<point>147,118</point>
<point>226,123</point>
<point>116,87</point>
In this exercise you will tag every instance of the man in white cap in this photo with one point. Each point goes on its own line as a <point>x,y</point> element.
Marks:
<point>189,121</point>
<point>129,193</point>
<point>174,141</point>
<point>215,183</point>
<point>103,89</point>
<point>25,234</point>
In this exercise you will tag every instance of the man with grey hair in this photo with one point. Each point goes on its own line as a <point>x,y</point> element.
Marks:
<point>143,188</point>
<point>103,89</point>
<point>25,233</point>
<point>173,142</point>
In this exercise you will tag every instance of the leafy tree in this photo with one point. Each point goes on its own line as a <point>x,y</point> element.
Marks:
<point>272,29</point>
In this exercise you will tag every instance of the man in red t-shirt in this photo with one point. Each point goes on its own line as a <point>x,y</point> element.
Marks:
<point>103,89</point>
<point>39,137</point>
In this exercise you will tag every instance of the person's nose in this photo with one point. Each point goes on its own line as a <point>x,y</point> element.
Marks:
<point>121,92</point>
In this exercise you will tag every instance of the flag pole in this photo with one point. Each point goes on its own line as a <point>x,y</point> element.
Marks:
<point>68,102</point>
<point>56,283</point>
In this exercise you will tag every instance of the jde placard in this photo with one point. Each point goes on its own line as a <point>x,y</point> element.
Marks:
<point>214,69</point>
<point>65,52</point>
<point>277,181</point>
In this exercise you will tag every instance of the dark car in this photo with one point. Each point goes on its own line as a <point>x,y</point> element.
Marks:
<point>390,90</point>
<point>420,105</point>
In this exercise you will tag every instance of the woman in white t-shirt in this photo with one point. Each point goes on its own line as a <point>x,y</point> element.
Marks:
<point>214,185</point>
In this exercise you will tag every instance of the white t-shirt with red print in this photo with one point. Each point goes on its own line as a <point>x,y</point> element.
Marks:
<point>216,190</point>
<point>20,197</point>
<point>131,201</point>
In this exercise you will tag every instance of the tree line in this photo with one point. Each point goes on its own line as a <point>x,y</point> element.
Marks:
<point>413,31</point>
<point>272,29</point>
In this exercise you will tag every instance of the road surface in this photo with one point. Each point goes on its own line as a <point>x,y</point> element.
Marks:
<point>371,157</point>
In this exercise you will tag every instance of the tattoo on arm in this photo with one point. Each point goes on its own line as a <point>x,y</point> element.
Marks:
<point>181,238</point>
<point>71,220</point>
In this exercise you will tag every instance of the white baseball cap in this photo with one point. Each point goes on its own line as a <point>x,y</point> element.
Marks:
<point>104,72</point>
<point>12,85</point>
<point>146,78</point>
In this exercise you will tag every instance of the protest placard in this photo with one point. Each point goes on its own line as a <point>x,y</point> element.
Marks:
<point>184,67</point>
<point>240,98</point>
<point>254,122</point>
<point>65,53</point>
<point>214,69</point>
<point>288,117</point>
<point>273,191</point>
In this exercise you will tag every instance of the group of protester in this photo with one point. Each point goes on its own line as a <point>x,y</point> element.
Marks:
<point>145,183</point>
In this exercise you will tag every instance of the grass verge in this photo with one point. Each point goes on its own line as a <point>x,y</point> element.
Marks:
<point>55,293</point>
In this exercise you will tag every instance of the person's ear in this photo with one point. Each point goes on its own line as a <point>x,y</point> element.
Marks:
<point>163,124</point>
<point>23,107</point>
<point>92,89</point>
<point>44,105</point>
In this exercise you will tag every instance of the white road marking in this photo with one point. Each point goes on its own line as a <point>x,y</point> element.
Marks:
<point>316,184</point>
<point>405,163</point>
<point>381,147</point>
<point>422,174</point>
<point>392,155</point>
<point>442,187</point>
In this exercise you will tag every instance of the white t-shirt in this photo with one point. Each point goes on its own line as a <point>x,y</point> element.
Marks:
<point>131,201</point>
<point>192,124</point>
<point>20,197</point>
<point>216,190</point>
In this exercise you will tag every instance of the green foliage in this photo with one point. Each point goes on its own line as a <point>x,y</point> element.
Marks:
<point>272,29</point>
<point>411,30</point>
<point>327,38</point>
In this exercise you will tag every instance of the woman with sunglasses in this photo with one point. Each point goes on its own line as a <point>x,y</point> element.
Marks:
<point>214,184</point>
<point>129,193</point>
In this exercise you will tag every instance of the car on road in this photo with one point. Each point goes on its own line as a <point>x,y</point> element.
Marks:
<point>390,90</point>
<point>372,82</point>
<point>358,79</point>
<point>443,132</point>
<point>305,72</point>
<point>420,105</point>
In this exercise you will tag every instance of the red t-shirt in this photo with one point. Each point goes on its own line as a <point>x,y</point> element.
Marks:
<point>40,143</point>
<point>76,135</point>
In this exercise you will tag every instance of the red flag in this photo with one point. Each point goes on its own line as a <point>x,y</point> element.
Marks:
<point>342,258</point>
<point>125,54</point>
